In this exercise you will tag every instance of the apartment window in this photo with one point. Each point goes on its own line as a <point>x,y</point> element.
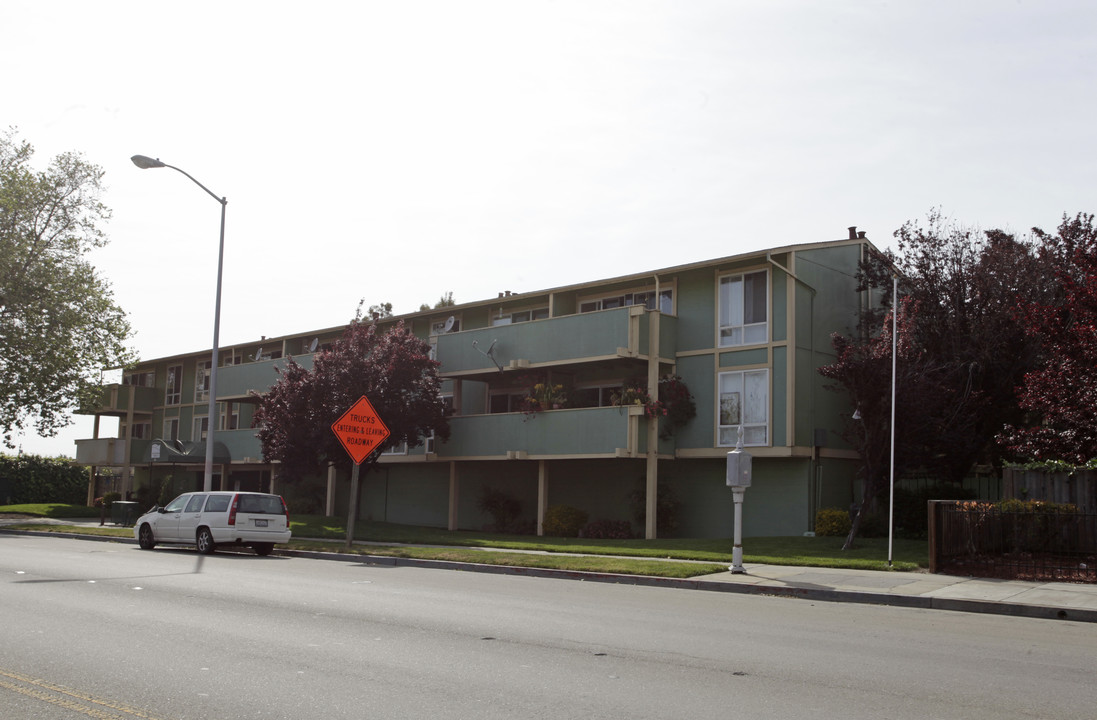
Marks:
<point>447,400</point>
<point>506,401</point>
<point>593,396</point>
<point>743,309</point>
<point>438,327</point>
<point>508,318</point>
<point>140,379</point>
<point>201,428</point>
<point>645,298</point>
<point>233,420</point>
<point>171,429</point>
<point>201,381</point>
<point>743,403</point>
<point>173,393</point>
<point>398,449</point>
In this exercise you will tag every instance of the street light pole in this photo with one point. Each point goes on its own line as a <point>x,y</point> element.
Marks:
<point>146,163</point>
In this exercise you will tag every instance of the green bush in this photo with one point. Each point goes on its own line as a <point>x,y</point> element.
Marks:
<point>832,522</point>
<point>503,508</point>
<point>564,521</point>
<point>667,508</point>
<point>32,479</point>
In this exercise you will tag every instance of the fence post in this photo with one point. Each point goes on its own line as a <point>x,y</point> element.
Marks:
<point>931,509</point>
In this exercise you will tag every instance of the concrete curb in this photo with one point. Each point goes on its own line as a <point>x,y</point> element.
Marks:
<point>817,594</point>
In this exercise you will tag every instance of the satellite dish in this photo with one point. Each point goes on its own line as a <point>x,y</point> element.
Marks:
<point>312,346</point>
<point>449,324</point>
<point>258,354</point>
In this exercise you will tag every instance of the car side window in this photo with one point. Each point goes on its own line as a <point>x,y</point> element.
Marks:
<point>217,503</point>
<point>195,504</point>
<point>177,504</point>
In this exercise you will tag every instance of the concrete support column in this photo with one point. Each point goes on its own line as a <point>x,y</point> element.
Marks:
<point>454,495</point>
<point>651,485</point>
<point>542,495</point>
<point>329,502</point>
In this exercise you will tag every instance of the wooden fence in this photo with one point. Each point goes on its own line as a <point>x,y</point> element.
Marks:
<point>1076,488</point>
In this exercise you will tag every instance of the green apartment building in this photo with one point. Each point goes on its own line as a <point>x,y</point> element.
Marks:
<point>745,334</point>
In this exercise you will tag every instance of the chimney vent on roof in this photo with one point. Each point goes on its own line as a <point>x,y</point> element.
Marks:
<point>861,235</point>
<point>852,232</point>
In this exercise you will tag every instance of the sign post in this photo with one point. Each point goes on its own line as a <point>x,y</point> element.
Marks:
<point>360,431</point>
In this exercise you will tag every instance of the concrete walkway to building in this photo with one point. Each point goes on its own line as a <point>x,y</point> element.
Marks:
<point>1052,600</point>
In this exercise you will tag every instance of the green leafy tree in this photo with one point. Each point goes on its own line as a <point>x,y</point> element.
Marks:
<point>59,324</point>
<point>392,368</point>
<point>1060,396</point>
<point>962,351</point>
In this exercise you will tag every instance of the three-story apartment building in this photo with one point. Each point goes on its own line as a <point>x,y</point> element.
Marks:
<point>746,334</point>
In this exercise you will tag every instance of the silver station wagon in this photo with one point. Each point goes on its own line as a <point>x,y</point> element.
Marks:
<point>208,520</point>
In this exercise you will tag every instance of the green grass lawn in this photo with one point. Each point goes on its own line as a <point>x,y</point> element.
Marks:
<point>647,557</point>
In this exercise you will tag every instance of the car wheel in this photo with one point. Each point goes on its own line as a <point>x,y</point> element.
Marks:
<point>145,538</point>
<point>263,548</point>
<point>204,541</point>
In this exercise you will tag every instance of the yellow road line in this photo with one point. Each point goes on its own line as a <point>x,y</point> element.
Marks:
<point>112,712</point>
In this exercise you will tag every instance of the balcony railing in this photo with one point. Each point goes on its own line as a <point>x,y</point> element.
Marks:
<point>109,452</point>
<point>621,332</point>
<point>237,381</point>
<point>585,432</point>
<point>115,400</point>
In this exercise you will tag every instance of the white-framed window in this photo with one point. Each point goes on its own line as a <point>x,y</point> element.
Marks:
<point>447,400</point>
<point>201,428</point>
<point>232,357</point>
<point>744,311</point>
<point>140,379</point>
<point>173,391</point>
<point>586,396</point>
<point>642,297</point>
<point>438,327</point>
<point>398,449</point>
<point>171,428</point>
<point>141,431</point>
<point>233,420</point>
<point>201,380</point>
<point>743,402</point>
<point>507,318</point>
<point>504,401</point>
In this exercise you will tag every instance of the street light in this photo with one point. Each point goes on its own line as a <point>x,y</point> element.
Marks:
<point>146,163</point>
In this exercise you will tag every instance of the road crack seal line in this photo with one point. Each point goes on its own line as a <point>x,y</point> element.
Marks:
<point>48,692</point>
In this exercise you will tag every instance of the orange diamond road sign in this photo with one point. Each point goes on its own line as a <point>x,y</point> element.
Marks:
<point>360,430</point>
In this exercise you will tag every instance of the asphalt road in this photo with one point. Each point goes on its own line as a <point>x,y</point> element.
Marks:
<point>104,630</point>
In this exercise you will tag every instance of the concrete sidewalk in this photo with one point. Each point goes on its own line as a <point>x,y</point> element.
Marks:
<point>1051,600</point>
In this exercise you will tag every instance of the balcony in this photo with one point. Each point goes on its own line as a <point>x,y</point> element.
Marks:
<point>242,445</point>
<point>585,337</point>
<point>118,400</point>
<point>235,382</point>
<point>109,452</point>
<point>584,432</point>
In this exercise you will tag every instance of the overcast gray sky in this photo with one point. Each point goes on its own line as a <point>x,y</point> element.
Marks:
<point>395,151</point>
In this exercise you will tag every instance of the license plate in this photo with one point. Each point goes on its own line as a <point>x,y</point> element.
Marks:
<point>260,523</point>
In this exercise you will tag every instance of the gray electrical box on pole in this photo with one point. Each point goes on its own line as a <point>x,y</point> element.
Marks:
<point>738,479</point>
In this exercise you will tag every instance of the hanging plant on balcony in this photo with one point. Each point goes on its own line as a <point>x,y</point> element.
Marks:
<point>678,403</point>
<point>675,402</point>
<point>544,395</point>
<point>633,392</point>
